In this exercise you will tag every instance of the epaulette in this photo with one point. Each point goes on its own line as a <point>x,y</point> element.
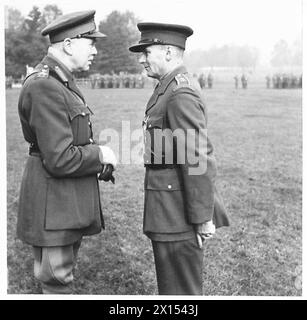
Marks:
<point>182,82</point>
<point>29,75</point>
<point>60,74</point>
<point>43,73</point>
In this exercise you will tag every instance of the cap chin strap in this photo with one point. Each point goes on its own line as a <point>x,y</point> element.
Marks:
<point>153,41</point>
<point>83,35</point>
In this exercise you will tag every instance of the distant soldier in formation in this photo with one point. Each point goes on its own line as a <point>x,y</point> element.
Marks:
<point>300,82</point>
<point>93,82</point>
<point>131,81</point>
<point>268,81</point>
<point>244,81</point>
<point>286,81</point>
<point>236,81</point>
<point>202,80</point>
<point>109,81</point>
<point>293,81</point>
<point>8,82</point>
<point>210,80</point>
<point>279,81</point>
<point>140,82</point>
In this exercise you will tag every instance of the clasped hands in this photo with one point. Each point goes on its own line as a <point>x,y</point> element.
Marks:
<point>204,231</point>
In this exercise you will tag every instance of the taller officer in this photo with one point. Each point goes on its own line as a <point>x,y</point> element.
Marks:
<point>59,196</point>
<point>182,206</point>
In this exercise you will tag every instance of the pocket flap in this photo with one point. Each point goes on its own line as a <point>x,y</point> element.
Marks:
<point>155,122</point>
<point>164,179</point>
<point>77,110</point>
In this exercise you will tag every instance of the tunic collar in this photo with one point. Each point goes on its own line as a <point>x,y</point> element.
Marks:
<point>63,73</point>
<point>163,85</point>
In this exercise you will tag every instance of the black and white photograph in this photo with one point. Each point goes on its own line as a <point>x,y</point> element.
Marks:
<point>152,149</point>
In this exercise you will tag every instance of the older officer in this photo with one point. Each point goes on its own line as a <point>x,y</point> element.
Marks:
<point>182,206</point>
<point>59,197</point>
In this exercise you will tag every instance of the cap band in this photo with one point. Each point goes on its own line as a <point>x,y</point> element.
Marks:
<point>85,28</point>
<point>149,41</point>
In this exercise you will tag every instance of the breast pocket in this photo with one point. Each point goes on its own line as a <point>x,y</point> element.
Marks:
<point>79,116</point>
<point>153,140</point>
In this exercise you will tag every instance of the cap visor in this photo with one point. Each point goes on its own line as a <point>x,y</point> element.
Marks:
<point>139,47</point>
<point>96,34</point>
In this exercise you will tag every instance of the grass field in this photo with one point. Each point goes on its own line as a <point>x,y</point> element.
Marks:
<point>257,134</point>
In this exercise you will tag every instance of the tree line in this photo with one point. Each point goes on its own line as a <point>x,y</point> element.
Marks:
<point>24,45</point>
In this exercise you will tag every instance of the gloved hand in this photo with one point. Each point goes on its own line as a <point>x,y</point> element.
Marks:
<point>106,173</point>
<point>204,231</point>
<point>107,156</point>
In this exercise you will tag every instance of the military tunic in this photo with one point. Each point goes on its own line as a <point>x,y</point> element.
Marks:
<point>175,199</point>
<point>59,196</point>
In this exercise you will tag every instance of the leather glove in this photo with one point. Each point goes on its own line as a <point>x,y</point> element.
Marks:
<point>106,173</point>
<point>204,231</point>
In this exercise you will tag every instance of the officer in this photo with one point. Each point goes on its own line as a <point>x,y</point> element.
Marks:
<point>244,81</point>
<point>202,81</point>
<point>210,80</point>
<point>236,78</point>
<point>59,195</point>
<point>268,81</point>
<point>182,206</point>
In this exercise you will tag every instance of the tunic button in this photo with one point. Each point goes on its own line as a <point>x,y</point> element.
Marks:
<point>91,140</point>
<point>169,186</point>
<point>83,114</point>
<point>89,123</point>
<point>149,126</point>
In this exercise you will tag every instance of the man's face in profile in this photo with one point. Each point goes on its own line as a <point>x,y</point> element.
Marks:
<point>83,53</point>
<point>153,59</point>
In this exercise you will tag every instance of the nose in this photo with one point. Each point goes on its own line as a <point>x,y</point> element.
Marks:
<point>94,51</point>
<point>142,58</point>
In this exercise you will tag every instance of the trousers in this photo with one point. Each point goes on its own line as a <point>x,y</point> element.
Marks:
<point>179,267</point>
<point>53,267</point>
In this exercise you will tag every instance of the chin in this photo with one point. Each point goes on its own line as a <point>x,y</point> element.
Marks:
<point>150,74</point>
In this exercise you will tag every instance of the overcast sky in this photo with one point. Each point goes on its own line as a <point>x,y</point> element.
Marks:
<point>259,23</point>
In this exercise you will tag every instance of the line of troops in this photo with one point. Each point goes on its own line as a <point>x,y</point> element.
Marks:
<point>243,79</point>
<point>284,81</point>
<point>203,80</point>
<point>99,81</point>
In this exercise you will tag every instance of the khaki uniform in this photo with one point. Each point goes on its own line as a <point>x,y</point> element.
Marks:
<point>59,196</point>
<point>174,199</point>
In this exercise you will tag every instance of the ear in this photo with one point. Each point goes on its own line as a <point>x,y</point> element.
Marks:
<point>67,46</point>
<point>168,55</point>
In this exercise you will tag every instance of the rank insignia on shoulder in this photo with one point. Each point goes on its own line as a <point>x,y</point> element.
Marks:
<point>182,82</point>
<point>44,73</point>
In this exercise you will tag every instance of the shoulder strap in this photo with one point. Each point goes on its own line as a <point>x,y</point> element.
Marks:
<point>40,72</point>
<point>182,82</point>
